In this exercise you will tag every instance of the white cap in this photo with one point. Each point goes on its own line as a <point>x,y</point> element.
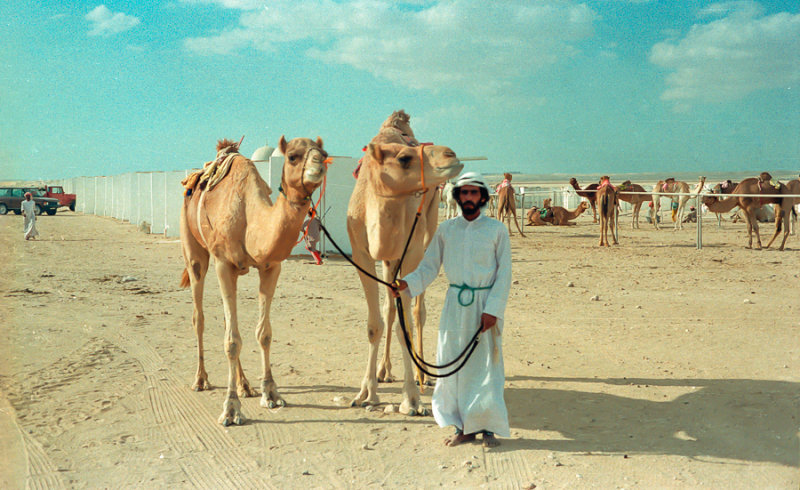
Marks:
<point>471,178</point>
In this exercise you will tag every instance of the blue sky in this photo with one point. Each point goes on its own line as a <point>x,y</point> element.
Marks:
<point>90,88</point>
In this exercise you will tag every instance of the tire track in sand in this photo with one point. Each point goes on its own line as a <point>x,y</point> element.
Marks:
<point>42,473</point>
<point>208,456</point>
<point>511,466</point>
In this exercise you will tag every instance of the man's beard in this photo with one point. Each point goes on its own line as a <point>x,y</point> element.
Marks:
<point>468,207</point>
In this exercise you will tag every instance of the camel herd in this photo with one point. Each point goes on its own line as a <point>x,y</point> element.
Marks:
<point>227,214</point>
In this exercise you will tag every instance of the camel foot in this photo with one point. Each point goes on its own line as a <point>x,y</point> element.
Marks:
<point>201,384</point>
<point>385,373</point>
<point>272,400</point>
<point>364,400</point>
<point>414,409</point>
<point>244,389</point>
<point>231,412</point>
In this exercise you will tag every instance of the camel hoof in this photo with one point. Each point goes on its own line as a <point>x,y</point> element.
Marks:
<point>276,404</point>
<point>231,418</point>
<point>201,385</point>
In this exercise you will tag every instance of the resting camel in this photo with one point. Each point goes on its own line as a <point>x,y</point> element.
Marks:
<point>450,204</point>
<point>589,192</point>
<point>563,216</point>
<point>607,203</point>
<point>668,186</point>
<point>756,185</point>
<point>541,216</point>
<point>636,200</point>
<point>379,218</point>
<point>232,218</point>
<point>507,204</point>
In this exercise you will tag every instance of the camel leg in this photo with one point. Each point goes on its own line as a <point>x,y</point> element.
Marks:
<point>779,217</point>
<point>368,395</point>
<point>636,208</point>
<point>268,281</point>
<point>196,259</point>
<point>411,404</point>
<point>654,210</point>
<point>389,313</point>
<point>613,223</point>
<point>231,407</point>
<point>420,314</point>
<point>594,210</point>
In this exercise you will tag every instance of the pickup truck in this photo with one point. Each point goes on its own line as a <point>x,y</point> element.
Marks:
<point>11,200</point>
<point>57,192</point>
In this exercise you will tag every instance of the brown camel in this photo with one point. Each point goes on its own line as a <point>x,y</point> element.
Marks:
<point>541,216</point>
<point>232,218</point>
<point>636,200</point>
<point>724,187</point>
<point>607,203</point>
<point>381,212</point>
<point>507,204</point>
<point>756,185</point>
<point>589,192</point>
<point>668,186</point>
<point>563,216</point>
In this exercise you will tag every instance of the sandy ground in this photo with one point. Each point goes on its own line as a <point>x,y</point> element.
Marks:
<point>683,372</point>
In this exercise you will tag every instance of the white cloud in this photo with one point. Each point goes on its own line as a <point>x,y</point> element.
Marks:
<point>739,53</point>
<point>103,22</point>
<point>477,46</point>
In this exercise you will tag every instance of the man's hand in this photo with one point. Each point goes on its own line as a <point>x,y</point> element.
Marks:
<point>487,321</point>
<point>397,287</point>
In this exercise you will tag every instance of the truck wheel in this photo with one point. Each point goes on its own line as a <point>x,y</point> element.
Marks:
<point>51,212</point>
<point>72,206</point>
<point>3,209</point>
<point>37,210</point>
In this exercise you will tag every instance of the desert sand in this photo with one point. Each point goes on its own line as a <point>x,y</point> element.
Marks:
<point>650,364</point>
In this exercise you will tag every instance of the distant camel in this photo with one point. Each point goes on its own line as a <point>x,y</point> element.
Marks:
<point>541,216</point>
<point>636,200</point>
<point>762,184</point>
<point>563,216</point>
<point>607,202</point>
<point>724,187</point>
<point>668,186</point>
<point>507,204</point>
<point>450,204</point>
<point>589,192</point>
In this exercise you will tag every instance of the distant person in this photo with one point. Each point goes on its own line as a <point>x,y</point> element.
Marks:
<point>311,226</point>
<point>29,213</point>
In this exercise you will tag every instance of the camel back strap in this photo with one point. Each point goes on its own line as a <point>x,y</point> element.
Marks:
<point>213,172</point>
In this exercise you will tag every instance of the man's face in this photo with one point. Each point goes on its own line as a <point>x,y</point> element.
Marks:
<point>469,199</point>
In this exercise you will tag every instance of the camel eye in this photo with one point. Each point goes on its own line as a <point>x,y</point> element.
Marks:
<point>405,161</point>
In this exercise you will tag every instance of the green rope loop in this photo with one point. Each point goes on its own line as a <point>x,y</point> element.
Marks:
<point>464,288</point>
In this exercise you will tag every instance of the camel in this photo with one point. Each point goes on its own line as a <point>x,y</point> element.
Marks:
<point>491,206</point>
<point>232,218</point>
<point>724,187</point>
<point>540,216</point>
<point>607,203</point>
<point>756,185</point>
<point>380,214</point>
<point>507,204</point>
<point>563,216</point>
<point>668,186</point>
<point>793,187</point>
<point>636,200</point>
<point>589,192</point>
<point>450,204</point>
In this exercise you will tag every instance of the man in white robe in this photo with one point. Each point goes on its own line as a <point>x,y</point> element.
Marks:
<point>476,254</point>
<point>28,208</point>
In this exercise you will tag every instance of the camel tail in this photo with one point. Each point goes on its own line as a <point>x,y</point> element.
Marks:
<point>185,279</point>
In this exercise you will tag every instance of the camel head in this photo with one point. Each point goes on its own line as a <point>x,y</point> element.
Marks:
<point>397,125</point>
<point>395,169</point>
<point>573,182</point>
<point>583,206</point>
<point>507,176</point>
<point>303,167</point>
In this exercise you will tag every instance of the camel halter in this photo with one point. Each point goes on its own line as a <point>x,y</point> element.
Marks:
<point>417,359</point>
<point>309,154</point>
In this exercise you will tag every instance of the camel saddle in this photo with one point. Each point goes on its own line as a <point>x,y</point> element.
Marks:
<point>213,172</point>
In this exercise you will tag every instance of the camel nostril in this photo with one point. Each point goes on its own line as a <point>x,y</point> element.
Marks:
<point>450,153</point>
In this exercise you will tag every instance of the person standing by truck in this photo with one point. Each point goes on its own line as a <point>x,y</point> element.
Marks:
<point>29,213</point>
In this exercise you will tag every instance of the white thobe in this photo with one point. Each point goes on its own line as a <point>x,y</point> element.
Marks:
<point>28,208</point>
<point>478,254</point>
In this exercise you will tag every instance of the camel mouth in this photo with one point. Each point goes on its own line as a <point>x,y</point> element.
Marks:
<point>452,169</point>
<point>314,175</point>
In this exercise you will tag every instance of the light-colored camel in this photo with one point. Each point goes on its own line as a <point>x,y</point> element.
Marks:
<point>397,129</point>
<point>450,204</point>
<point>563,217</point>
<point>491,206</point>
<point>589,192</point>
<point>636,200</point>
<point>793,187</point>
<point>607,203</point>
<point>756,185</point>
<point>669,186</point>
<point>381,212</point>
<point>235,221</point>
<point>507,205</point>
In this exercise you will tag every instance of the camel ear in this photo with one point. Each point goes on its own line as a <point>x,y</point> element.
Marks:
<point>374,150</point>
<point>282,145</point>
<point>319,142</point>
